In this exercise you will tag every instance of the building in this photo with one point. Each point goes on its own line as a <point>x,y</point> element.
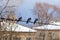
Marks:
<point>16,32</point>
<point>48,32</point>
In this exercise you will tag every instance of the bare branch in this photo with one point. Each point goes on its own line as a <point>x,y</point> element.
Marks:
<point>41,10</point>
<point>5,6</point>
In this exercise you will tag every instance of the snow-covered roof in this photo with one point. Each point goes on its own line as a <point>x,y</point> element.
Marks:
<point>17,27</point>
<point>21,28</point>
<point>52,26</point>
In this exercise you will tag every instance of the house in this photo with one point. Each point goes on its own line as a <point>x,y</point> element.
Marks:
<point>48,32</point>
<point>19,32</point>
<point>16,32</point>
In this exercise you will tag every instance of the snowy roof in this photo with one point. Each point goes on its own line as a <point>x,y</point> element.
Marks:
<point>17,27</point>
<point>56,26</point>
<point>21,28</point>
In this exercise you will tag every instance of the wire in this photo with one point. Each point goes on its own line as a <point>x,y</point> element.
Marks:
<point>17,20</point>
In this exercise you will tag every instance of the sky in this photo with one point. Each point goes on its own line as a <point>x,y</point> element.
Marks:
<point>25,10</point>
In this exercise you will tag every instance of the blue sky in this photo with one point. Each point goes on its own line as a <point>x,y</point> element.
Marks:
<point>25,10</point>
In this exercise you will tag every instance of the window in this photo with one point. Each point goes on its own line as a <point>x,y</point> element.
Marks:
<point>28,38</point>
<point>16,38</point>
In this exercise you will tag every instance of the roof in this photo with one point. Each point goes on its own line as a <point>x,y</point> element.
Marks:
<point>56,26</point>
<point>17,27</point>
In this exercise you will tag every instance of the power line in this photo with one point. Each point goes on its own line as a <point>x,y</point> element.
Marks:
<point>28,21</point>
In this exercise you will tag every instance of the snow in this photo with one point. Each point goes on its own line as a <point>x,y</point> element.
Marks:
<point>56,26</point>
<point>17,27</point>
<point>57,23</point>
<point>23,29</point>
<point>20,28</point>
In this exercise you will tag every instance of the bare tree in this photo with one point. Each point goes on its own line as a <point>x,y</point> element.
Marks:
<point>45,12</point>
<point>1,11</point>
<point>10,13</point>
